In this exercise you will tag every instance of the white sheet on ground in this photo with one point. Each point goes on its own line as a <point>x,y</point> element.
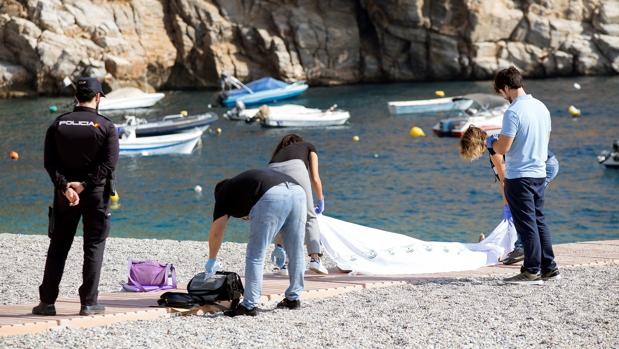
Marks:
<point>365,250</point>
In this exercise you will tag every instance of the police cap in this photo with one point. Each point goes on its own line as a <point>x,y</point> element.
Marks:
<point>86,84</point>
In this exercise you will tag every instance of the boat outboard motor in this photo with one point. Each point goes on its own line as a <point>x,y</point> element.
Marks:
<point>223,80</point>
<point>616,146</point>
<point>239,105</point>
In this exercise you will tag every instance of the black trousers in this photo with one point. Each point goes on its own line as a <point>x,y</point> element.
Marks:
<point>93,208</point>
<point>525,197</point>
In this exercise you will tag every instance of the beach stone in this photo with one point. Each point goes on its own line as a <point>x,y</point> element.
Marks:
<point>578,311</point>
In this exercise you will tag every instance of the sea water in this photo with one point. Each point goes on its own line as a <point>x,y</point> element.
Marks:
<point>386,180</point>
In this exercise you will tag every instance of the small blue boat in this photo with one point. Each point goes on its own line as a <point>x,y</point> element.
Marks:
<point>260,91</point>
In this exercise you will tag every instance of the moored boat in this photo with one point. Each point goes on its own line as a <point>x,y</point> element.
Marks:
<point>170,124</point>
<point>435,105</point>
<point>486,112</point>
<point>260,91</point>
<point>610,158</point>
<point>177,143</point>
<point>427,106</point>
<point>129,98</point>
<point>291,115</point>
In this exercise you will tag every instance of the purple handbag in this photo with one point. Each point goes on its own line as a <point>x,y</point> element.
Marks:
<point>147,276</point>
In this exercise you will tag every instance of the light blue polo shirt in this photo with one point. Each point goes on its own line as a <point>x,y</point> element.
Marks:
<point>527,120</point>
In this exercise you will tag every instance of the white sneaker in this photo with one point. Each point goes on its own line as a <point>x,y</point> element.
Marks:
<point>283,271</point>
<point>317,267</point>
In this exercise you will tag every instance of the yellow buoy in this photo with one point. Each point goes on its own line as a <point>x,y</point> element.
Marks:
<point>574,112</point>
<point>218,131</point>
<point>439,93</point>
<point>416,132</point>
<point>183,113</point>
<point>355,138</point>
<point>115,198</point>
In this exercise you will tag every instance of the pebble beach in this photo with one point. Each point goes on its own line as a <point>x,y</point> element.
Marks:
<point>582,310</point>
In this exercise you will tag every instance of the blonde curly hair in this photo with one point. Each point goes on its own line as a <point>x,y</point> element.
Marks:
<point>472,143</point>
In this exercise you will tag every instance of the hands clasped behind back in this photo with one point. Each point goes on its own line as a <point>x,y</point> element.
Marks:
<point>72,192</point>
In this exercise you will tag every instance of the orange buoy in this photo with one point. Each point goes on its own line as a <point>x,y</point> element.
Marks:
<point>13,155</point>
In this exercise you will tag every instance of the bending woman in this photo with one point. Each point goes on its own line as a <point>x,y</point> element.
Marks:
<point>473,146</point>
<point>298,159</point>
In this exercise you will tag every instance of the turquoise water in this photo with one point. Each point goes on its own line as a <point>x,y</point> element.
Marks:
<point>388,180</point>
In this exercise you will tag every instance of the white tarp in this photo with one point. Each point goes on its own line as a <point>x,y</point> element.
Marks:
<point>366,250</point>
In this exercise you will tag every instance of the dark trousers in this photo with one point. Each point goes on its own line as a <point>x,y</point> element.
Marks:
<point>63,225</point>
<point>525,197</point>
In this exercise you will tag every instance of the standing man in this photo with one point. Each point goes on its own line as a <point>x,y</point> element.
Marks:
<point>81,152</point>
<point>273,202</point>
<point>524,141</point>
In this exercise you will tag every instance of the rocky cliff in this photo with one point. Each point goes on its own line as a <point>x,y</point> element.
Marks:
<point>154,44</point>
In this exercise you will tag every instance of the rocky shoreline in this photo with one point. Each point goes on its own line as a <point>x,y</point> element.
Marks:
<point>177,44</point>
<point>582,310</point>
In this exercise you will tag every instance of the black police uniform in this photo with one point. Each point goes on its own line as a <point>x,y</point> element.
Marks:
<point>80,146</point>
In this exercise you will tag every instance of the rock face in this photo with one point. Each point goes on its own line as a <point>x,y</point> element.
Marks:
<point>154,44</point>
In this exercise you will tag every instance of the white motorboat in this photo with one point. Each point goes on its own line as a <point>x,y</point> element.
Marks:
<point>129,98</point>
<point>426,106</point>
<point>175,123</point>
<point>610,159</point>
<point>177,143</point>
<point>435,105</point>
<point>290,115</point>
<point>485,113</point>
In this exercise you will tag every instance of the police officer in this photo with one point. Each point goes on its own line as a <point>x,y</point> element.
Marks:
<point>81,152</point>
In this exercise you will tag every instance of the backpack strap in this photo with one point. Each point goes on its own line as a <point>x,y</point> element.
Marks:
<point>172,270</point>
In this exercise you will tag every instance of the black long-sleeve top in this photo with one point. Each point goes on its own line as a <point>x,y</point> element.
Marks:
<point>81,146</point>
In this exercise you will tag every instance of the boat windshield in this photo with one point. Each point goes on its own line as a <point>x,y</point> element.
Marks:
<point>486,101</point>
<point>263,84</point>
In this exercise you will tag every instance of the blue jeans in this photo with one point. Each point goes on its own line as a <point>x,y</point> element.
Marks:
<point>296,169</point>
<point>525,197</point>
<point>281,208</point>
<point>552,169</point>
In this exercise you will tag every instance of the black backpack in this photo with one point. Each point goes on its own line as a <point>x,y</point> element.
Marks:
<point>223,286</point>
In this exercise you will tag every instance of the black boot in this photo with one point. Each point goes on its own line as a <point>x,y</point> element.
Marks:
<point>92,309</point>
<point>44,309</point>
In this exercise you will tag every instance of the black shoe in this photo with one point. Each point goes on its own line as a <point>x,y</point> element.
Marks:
<point>525,278</point>
<point>286,303</point>
<point>44,309</point>
<point>92,309</point>
<point>551,275</point>
<point>241,310</point>
<point>515,256</point>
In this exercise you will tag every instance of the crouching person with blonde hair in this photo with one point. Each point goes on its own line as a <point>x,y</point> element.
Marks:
<point>472,147</point>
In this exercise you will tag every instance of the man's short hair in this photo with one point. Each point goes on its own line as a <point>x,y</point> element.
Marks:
<point>509,77</point>
<point>85,96</point>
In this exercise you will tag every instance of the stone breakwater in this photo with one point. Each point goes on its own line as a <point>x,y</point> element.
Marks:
<point>154,44</point>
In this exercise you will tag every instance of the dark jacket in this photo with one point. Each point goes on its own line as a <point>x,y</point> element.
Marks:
<point>81,146</point>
